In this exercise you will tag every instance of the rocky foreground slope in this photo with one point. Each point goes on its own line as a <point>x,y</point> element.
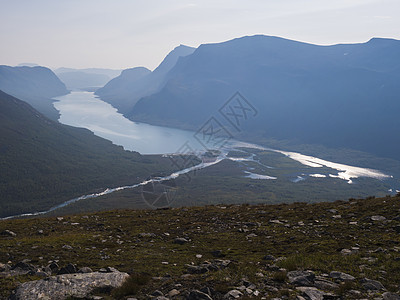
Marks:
<point>340,250</point>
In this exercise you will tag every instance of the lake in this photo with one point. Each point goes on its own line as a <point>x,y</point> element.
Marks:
<point>84,109</point>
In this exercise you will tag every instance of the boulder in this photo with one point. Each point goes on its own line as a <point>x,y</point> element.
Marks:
<point>313,293</point>
<point>372,285</point>
<point>68,269</point>
<point>301,278</point>
<point>341,276</point>
<point>68,285</point>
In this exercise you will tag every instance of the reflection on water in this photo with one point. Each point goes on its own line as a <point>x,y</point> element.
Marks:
<point>83,109</point>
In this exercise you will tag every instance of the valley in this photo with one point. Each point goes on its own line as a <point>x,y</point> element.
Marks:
<point>202,150</point>
<point>241,172</point>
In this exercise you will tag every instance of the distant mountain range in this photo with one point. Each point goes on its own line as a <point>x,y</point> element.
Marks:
<point>86,78</point>
<point>43,163</point>
<point>340,96</point>
<point>35,85</point>
<point>124,91</point>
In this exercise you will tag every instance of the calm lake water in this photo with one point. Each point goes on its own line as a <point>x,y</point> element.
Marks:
<point>84,109</point>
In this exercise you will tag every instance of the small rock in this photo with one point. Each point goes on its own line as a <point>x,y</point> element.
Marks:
<point>157,293</point>
<point>233,294</point>
<point>108,270</point>
<point>8,233</point>
<point>173,292</point>
<point>85,270</point>
<point>68,247</point>
<point>180,241</point>
<point>251,235</point>
<point>390,296</point>
<point>378,218</point>
<point>271,289</point>
<point>4,267</point>
<point>269,257</point>
<point>346,251</point>
<point>147,234</point>
<point>196,269</point>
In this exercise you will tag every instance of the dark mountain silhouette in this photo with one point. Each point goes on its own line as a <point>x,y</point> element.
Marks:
<point>43,163</point>
<point>124,91</point>
<point>35,85</point>
<point>338,96</point>
<point>119,88</point>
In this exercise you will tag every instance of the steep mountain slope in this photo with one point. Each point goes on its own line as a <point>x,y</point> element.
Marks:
<point>35,85</point>
<point>43,163</point>
<point>124,91</point>
<point>119,88</point>
<point>337,96</point>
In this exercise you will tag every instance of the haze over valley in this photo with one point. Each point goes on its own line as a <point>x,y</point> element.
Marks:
<point>204,159</point>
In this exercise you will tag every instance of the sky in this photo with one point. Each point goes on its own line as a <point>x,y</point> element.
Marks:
<point>121,34</point>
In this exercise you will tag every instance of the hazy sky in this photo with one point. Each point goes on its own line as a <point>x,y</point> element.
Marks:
<point>128,33</point>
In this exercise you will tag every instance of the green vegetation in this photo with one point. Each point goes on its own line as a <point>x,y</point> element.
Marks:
<point>301,236</point>
<point>44,163</point>
<point>226,183</point>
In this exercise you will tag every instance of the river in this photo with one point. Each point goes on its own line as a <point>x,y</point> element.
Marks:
<point>84,109</point>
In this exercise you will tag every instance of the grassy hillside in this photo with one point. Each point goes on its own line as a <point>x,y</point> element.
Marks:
<point>341,236</point>
<point>43,163</point>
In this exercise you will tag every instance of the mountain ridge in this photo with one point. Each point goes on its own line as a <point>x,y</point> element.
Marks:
<point>310,93</point>
<point>35,85</point>
<point>125,97</point>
